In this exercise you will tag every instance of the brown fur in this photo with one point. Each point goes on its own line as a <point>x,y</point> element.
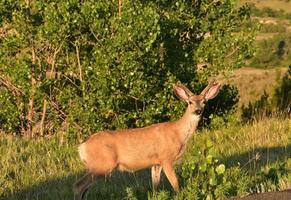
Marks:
<point>158,146</point>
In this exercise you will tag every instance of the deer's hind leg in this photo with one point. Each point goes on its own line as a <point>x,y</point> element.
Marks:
<point>156,175</point>
<point>96,170</point>
<point>82,185</point>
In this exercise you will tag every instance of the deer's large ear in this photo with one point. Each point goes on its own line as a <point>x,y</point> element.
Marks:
<point>212,91</point>
<point>180,91</point>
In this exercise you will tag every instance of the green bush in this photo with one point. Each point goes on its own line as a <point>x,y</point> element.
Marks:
<point>85,66</point>
<point>9,115</point>
<point>219,112</point>
<point>207,178</point>
<point>204,175</point>
<point>282,95</point>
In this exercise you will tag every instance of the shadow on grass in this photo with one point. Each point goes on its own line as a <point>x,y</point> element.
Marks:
<point>116,186</point>
<point>120,185</point>
<point>259,156</point>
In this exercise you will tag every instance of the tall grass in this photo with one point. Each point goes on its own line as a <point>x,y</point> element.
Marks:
<point>34,169</point>
<point>45,169</point>
<point>239,143</point>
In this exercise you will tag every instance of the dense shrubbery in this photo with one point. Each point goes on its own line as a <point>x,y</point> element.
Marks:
<point>83,66</point>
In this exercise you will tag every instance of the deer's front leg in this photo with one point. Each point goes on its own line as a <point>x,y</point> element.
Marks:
<point>156,175</point>
<point>171,175</point>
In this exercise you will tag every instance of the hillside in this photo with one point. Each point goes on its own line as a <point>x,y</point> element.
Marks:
<point>253,82</point>
<point>279,5</point>
<point>272,47</point>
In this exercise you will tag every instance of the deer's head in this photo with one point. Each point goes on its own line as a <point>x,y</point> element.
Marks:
<point>196,103</point>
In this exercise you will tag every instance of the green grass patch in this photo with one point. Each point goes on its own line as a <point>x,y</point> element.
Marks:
<point>271,138</point>
<point>36,169</point>
<point>257,159</point>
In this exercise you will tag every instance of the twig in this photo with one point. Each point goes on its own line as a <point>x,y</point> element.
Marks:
<point>77,46</point>
<point>43,117</point>
<point>255,157</point>
<point>33,83</point>
<point>231,53</point>
<point>14,89</point>
<point>57,50</point>
<point>119,7</point>
<point>62,114</point>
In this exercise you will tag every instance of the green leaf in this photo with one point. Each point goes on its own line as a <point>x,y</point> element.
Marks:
<point>212,151</point>
<point>203,167</point>
<point>220,169</point>
<point>209,197</point>
<point>213,181</point>
<point>209,144</point>
<point>209,159</point>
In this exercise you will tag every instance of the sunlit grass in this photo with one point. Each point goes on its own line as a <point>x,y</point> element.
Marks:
<point>27,163</point>
<point>274,4</point>
<point>44,169</point>
<point>269,137</point>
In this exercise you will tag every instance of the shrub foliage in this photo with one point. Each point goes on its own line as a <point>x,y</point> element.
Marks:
<point>82,66</point>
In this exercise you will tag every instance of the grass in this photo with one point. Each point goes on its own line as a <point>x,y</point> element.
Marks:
<point>260,80</point>
<point>274,4</point>
<point>34,169</point>
<point>271,138</point>
<point>275,26</point>
<point>44,169</point>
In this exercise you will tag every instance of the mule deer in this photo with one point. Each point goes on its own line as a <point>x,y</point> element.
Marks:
<point>158,146</point>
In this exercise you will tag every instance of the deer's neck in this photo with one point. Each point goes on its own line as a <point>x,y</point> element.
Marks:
<point>187,125</point>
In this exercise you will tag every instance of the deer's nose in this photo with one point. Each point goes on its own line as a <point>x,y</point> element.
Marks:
<point>198,111</point>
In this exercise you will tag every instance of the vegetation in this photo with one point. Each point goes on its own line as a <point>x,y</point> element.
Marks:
<point>70,68</point>
<point>85,66</point>
<point>269,12</point>
<point>273,18</point>
<point>279,104</point>
<point>275,5</point>
<point>256,157</point>
<point>272,52</point>
<point>273,28</point>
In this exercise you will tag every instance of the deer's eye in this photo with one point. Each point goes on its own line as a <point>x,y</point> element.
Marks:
<point>198,111</point>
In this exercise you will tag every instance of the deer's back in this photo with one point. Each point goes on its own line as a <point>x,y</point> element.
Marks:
<point>134,149</point>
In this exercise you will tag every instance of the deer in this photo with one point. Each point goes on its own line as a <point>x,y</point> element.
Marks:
<point>158,146</point>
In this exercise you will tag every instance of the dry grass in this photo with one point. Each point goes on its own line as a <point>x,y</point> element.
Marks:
<point>272,22</point>
<point>265,36</point>
<point>274,4</point>
<point>252,82</point>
